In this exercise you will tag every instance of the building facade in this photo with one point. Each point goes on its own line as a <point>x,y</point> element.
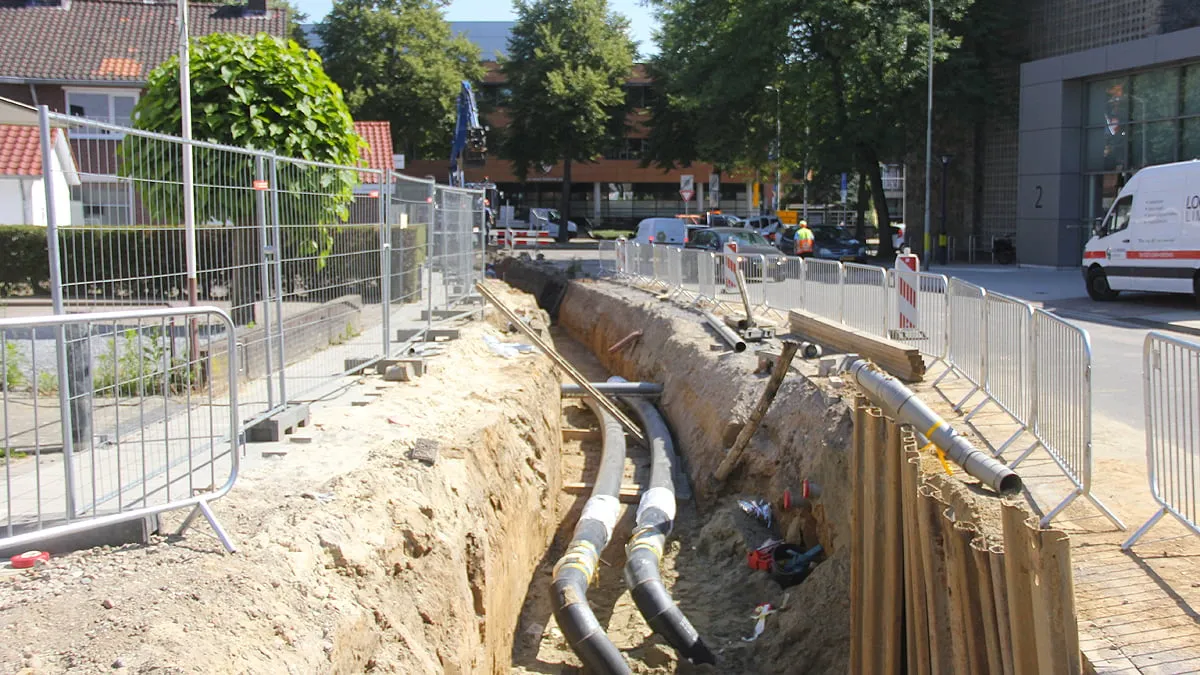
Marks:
<point>1114,85</point>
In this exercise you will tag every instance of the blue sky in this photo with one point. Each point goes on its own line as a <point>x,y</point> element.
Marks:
<point>641,19</point>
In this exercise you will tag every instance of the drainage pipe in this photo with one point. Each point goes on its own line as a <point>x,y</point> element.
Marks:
<point>577,567</point>
<point>643,553</point>
<point>900,403</point>
<point>727,334</point>
<point>615,389</point>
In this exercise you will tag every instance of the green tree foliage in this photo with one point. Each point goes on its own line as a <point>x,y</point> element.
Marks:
<point>398,61</point>
<point>854,73</point>
<point>259,93</point>
<point>567,65</point>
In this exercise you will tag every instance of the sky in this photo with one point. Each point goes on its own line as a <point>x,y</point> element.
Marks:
<point>641,19</point>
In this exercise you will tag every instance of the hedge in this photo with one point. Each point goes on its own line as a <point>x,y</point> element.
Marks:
<point>136,262</point>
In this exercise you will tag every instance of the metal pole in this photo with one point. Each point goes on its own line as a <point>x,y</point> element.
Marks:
<point>189,186</point>
<point>277,237</point>
<point>385,260</point>
<point>56,299</point>
<point>942,230</point>
<point>264,272</point>
<point>928,140</point>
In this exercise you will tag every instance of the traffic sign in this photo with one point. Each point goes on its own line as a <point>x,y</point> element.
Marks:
<point>714,188</point>
<point>686,195</point>
<point>687,186</point>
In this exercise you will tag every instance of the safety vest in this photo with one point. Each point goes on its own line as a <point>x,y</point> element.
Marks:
<point>804,240</point>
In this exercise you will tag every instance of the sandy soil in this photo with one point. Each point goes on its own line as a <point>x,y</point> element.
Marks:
<point>352,557</point>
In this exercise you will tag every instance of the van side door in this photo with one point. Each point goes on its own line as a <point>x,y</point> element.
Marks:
<point>1115,239</point>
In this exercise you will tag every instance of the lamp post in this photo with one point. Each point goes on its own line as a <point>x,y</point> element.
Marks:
<point>941,240</point>
<point>778,141</point>
<point>928,136</point>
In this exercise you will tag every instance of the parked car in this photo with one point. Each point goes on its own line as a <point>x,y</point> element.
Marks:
<point>671,231</point>
<point>722,220</point>
<point>830,242</point>
<point>749,243</point>
<point>548,219</point>
<point>768,226</point>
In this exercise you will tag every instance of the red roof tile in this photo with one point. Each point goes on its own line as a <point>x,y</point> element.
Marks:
<point>378,135</point>
<point>20,150</point>
<point>110,40</point>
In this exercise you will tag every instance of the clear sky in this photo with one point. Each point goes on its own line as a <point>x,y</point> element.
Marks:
<point>641,19</point>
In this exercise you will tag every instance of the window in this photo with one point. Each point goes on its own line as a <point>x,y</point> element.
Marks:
<point>109,107</point>
<point>1151,117</point>
<point>630,148</point>
<point>1118,219</point>
<point>105,203</point>
<point>703,239</point>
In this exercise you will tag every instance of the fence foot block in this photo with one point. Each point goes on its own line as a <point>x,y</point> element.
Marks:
<point>355,366</point>
<point>400,372</point>
<point>417,365</point>
<point>274,427</point>
<point>136,531</point>
<point>440,314</point>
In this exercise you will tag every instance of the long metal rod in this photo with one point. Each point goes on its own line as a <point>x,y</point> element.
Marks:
<point>609,407</point>
<point>189,183</point>
<point>726,333</point>
<point>615,388</point>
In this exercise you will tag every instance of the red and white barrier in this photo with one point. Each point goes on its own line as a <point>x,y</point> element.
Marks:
<point>731,263</point>
<point>907,267</point>
<point>514,238</point>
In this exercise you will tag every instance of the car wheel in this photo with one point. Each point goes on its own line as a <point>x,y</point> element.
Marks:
<point>1097,285</point>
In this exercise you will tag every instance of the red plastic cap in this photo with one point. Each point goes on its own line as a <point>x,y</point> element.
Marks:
<point>787,499</point>
<point>28,559</point>
<point>805,491</point>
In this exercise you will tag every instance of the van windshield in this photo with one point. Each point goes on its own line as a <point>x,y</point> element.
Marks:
<point>1118,218</point>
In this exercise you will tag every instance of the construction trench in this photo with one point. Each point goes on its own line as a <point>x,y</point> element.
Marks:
<point>552,533</point>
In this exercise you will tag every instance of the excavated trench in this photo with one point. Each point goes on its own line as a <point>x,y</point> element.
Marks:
<point>707,395</point>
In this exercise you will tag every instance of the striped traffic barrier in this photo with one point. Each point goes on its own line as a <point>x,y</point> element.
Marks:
<point>731,263</point>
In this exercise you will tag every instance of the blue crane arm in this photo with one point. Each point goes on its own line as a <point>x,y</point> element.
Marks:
<point>468,121</point>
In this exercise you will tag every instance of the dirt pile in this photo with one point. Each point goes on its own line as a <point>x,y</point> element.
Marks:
<point>353,557</point>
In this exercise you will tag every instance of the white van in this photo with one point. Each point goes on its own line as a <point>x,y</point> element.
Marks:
<point>671,231</point>
<point>1150,239</point>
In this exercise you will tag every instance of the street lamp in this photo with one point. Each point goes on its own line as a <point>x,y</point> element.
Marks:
<point>941,241</point>
<point>778,141</point>
<point>928,135</point>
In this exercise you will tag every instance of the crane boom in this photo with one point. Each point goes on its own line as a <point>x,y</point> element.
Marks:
<point>470,138</point>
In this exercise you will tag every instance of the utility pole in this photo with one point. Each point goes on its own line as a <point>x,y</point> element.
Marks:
<point>778,144</point>
<point>928,139</point>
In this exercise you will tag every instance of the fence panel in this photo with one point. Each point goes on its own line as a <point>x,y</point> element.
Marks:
<point>1061,388</point>
<point>1171,377</point>
<point>823,288</point>
<point>1007,381</point>
<point>710,274</point>
<point>114,416</point>
<point>865,298</point>
<point>607,258</point>
<point>967,335</point>
<point>933,308</point>
<point>788,290</point>
<point>454,250</point>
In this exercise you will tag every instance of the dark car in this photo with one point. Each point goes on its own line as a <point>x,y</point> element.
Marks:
<point>830,242</point>
<point>749,243</point>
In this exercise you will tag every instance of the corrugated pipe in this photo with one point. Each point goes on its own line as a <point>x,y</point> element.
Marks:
<point>615,388</point>
<point>577,567</point>
<point>643,553</point>
<point>726,333</point>
<point>900,403</point>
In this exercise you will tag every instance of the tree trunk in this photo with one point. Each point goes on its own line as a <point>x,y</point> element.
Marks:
<point>564,211</point>
<point>870,166</point>
<point>864,196</point>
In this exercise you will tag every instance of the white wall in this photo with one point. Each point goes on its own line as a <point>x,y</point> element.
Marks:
<point>36,193</point>
<point>12,202</point>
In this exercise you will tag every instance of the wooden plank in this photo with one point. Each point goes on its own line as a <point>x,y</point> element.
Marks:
<point>773,383</point>
<point>901,360</point>
<point>630,494</point>
<point>573,434</point>
<point>548,349</point>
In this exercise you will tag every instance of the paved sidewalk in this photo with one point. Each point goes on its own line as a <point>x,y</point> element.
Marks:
<point>1063,292</point>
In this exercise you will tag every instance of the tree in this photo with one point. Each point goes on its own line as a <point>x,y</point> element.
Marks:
<point>397,60</point>
<point>567,65</point>
<point>255,92</point>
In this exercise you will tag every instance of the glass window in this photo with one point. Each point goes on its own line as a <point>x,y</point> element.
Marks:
<point>123,109</point>
<point>91,106</point>
<point>1118,219</point>
<point>1107,102</point>
<point>1190,147</point>
<point>1155,95</point>
<point>1105,150</point>
<point>1153,143</point>
<point>1191,90</point>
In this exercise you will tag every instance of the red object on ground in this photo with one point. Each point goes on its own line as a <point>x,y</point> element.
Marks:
<point>28,559</point>
<point>787,499</point>
<point>759,560</point>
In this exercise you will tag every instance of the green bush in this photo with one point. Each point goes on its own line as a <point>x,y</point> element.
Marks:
<point>141,366</point>
<point>139,262</point>
<point>14,376</point>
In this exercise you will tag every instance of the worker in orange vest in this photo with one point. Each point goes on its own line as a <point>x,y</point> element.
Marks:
<point>804,240</point>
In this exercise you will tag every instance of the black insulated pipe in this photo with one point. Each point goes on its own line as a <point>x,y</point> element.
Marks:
<point>577,567</point>
<point>643,553</point>
<point>571,390</point>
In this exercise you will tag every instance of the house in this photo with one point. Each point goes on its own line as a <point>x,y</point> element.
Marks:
<point>90,58</point>
<point>22,188</point>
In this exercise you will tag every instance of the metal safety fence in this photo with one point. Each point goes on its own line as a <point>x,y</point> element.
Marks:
<point>320,269</point>
<point>146,420</point>
<point>1171,379</point>
<point>1031,365</point>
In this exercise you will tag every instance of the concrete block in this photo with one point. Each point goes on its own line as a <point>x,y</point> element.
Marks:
<point>359,403</point>
<point>417,365</point>
<point>136,531</point>
<point>437,335</point>
<point>826,367</point>
<point>440,314</point>
<point>274,427</point>
<point>398,373</point>
<point>406,334</point>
